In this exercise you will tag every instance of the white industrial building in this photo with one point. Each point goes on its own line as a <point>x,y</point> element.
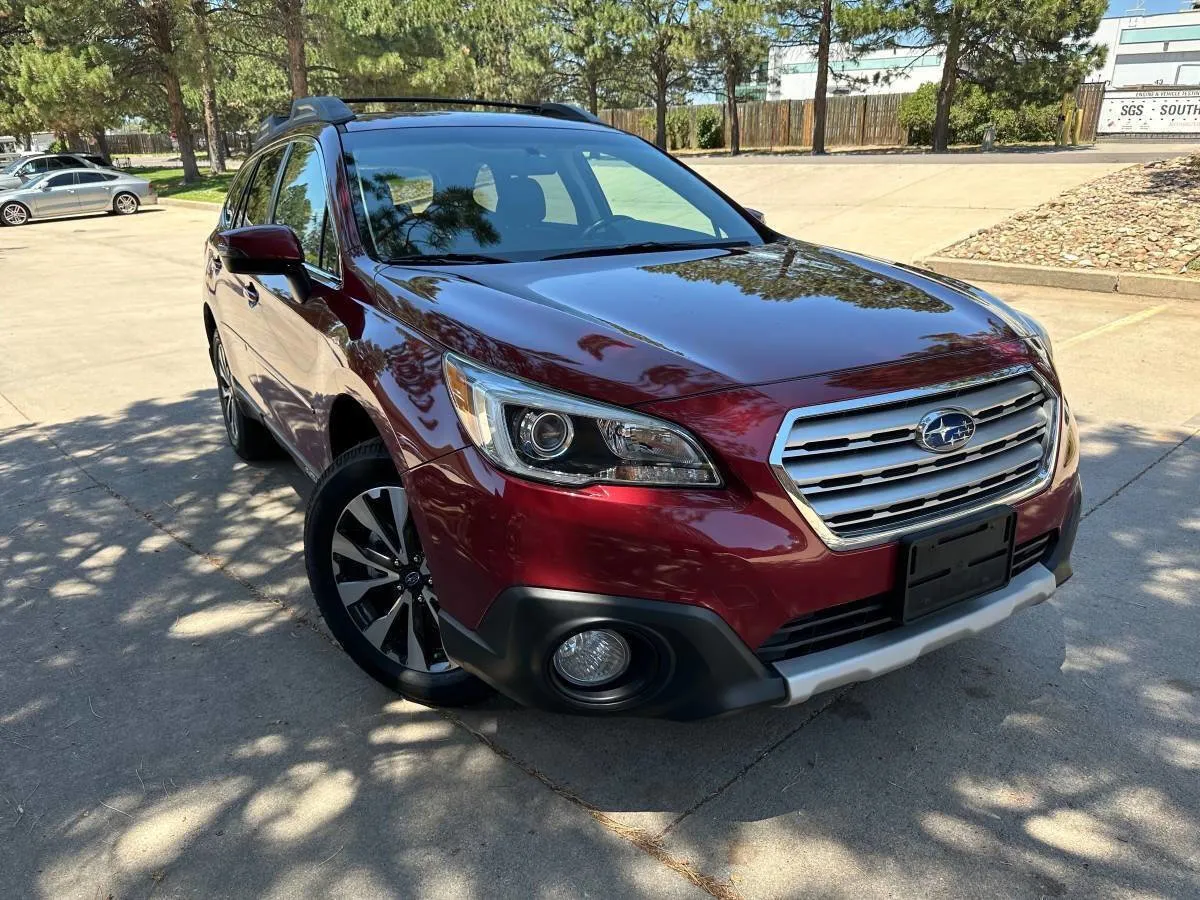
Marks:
<point>1143,50</point>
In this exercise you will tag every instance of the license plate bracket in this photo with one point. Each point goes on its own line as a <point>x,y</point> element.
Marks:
<point>948,565</point>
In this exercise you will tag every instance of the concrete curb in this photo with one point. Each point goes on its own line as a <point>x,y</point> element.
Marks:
<point>188,204</point>
<point>1106,281</point>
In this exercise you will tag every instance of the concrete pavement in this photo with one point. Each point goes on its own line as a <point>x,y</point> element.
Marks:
<point>174,721</point>
<point>895,211</point>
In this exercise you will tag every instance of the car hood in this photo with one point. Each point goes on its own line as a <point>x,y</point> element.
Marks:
<point>9,183</point>
<point>633,329</point>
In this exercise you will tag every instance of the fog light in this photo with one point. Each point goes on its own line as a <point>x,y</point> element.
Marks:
<point>592,658</point>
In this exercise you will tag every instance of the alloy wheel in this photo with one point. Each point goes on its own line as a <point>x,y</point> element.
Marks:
<point>225,391</point>
<point>15,214</point>
<point>126,204</point>
<point>384,582</point>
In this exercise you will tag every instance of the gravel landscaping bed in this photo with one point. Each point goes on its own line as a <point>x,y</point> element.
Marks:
<point>1142,219</point>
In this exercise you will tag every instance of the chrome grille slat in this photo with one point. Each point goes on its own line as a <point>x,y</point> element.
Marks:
<point>857,473</point>
<point>935,484</point>
<point>861,426</point>
<point>809,475</point>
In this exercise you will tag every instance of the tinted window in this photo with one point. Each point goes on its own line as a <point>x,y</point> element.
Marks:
<point>520,193</point>
<point>35,165</point>
<point>62,180</point>
<point>234,196</point>
<point>93,177</point>
<point>61,162</point>
<point>329,253</point>
<point>301,201</point>
<point>258,199</point>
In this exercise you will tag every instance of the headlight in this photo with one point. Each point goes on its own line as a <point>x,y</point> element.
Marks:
<point>537,433</point>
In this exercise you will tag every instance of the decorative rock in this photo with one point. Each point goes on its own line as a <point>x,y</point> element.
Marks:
<point>1143,218</point>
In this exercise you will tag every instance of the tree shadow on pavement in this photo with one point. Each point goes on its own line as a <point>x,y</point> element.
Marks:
<point>175,721</point>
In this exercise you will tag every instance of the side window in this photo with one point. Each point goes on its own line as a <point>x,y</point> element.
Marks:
<point>258,199</point>
<point>63,180</point>
<point>301,201</point>
<point>60,162</point>
<point>559,206</point>
<point>485,188</point>
<point>234,197</point>
<point>639,195</point>
<point>329,252</point>
<point>90,177</point>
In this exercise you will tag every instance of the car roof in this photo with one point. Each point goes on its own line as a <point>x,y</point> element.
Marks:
<point>455,118</point>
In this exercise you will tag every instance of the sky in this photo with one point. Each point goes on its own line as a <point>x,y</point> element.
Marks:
<point>1120,7</point>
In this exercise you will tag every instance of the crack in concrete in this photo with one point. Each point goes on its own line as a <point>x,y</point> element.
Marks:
<point>832,698</point>
<point>648,843</point>
<point>1139,475</point>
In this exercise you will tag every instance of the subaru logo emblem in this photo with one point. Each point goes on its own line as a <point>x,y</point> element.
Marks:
<point>945,430</point>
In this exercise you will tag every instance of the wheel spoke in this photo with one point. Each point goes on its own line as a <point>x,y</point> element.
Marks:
<point>373,546</point>
<point>359,509</point>
<point>398,499</point>
<point>355,589</point>
<point>416,651</point>
<point>343,547</point>
<point>377,632</point>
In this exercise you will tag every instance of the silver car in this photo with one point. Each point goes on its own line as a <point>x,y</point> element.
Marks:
<point>74,192</point>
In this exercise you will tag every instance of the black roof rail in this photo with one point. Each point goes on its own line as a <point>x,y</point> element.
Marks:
<point>335,111</point>
<point>552,110</point>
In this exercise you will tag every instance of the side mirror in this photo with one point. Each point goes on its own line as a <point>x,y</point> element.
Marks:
<point>45,186</point>
<point>758,214</point>
<point>264,250</point>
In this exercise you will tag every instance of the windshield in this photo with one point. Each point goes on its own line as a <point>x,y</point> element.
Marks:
<point>502,193</point>
<point>13,166</point>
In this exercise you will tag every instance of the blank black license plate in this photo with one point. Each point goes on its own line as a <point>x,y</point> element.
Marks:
<point>957,563</point>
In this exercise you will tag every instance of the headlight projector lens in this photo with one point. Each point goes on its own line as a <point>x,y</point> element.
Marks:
<point>592,658</point>
<point>545,435</point>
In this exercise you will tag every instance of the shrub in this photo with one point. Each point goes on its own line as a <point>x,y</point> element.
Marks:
<point>679,126</point>
<point>972,112</point>
<point>709,130</point>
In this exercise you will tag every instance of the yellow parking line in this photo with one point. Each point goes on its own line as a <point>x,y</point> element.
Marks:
<point>1122,322</point>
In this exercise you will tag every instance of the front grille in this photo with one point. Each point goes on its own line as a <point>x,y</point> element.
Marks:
<point>850,622</point>
<point>857,471</point>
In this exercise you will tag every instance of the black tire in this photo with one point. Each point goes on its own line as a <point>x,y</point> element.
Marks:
<point>125,204</point>
<point>357,473</point>
<point>14,213</point>
<point>249,438</point>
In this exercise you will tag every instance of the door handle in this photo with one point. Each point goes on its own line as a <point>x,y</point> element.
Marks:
<point>252,295</point>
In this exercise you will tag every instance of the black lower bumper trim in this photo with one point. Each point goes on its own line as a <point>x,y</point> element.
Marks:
<point>701,668</point>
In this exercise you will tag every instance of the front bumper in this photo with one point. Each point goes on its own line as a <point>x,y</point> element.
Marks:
<point>702,667</point>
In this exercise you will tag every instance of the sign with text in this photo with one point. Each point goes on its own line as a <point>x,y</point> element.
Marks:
<point>1150,112</point>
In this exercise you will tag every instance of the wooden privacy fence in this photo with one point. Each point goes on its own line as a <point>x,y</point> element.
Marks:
<point>1088,97</point>
<point>863,121</point>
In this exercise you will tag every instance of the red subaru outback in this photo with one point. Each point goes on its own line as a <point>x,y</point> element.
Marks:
<point>586,431</point>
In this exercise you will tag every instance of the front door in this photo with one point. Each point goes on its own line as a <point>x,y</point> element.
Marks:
<point>238,297</point>
<point>296,347</point>
<point>55,195</point>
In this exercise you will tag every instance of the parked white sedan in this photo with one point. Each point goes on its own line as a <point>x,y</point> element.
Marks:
<point>74,192</point>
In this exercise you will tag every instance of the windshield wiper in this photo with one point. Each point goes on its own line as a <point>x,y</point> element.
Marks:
<point>445,259</point>
<point>649,247</point>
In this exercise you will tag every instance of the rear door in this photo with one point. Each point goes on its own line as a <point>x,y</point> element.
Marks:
<point>55,195</point>
<point>94,191</point>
